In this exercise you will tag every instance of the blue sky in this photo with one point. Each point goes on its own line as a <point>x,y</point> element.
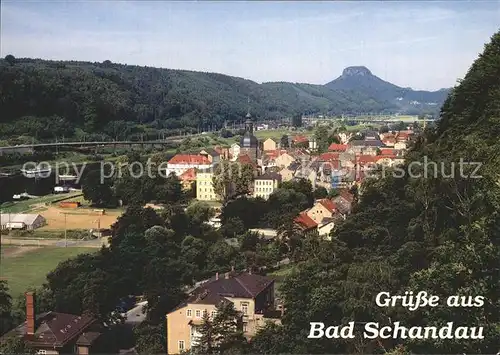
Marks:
<point>424,45</point>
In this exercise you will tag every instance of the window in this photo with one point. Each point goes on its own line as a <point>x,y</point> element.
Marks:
<point>189,313</point>
<point>205,312</point>
<point>213,314</point>
<point>245,327</point>
<point>244,308</point>
<point>41,352</point>
<point>197,313</point>
<point>181,345</point>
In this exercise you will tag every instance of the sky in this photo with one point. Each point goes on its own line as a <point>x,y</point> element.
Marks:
<point>420,44</point>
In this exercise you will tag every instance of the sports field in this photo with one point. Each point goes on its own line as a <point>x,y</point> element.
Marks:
<point>27,267</point>
<point>78,218</point>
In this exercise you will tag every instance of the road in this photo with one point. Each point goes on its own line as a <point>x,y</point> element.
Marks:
<point>95,243</point>
<point>136,315</point>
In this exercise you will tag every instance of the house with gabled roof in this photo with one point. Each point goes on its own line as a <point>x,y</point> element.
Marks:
<point>304,222</point>
<point>59,333</point>
<point>211,154</point>
<point>252,296</point>
<point>269,144</point>
<point>321,209</point>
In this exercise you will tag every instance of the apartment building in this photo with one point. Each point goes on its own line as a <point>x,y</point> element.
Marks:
<point>252,295</point>
<point>204,185</point>
<point>266,184</point>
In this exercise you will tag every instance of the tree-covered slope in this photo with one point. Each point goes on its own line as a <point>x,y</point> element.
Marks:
<point>435,230</point>
<point>63,95</point>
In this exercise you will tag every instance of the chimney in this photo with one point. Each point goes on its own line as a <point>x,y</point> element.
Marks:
<point>30,313</point>
<point>227,275</point>
<point>217,276</point>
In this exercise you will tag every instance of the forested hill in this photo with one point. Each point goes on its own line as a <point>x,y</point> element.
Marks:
<point>52,98</point>
<point>435,230</point>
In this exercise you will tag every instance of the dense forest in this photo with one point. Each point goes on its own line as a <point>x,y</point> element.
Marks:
<point>42,99</point>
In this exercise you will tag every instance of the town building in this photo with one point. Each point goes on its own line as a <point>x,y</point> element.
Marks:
<point>21,221</point>
<point>300,141</point>
<point>335,147</point>
<point>187,178</point>
<point>182,162</point>
<point>212,155</point>
<point>55,333</point>
<point>204,185</point>
<point>252,296</point>
<point>304,222</point>
<point>249,144</point>
<point>269,144</point>
<point>323,208</point>
<point>284,160</point>
<point>234,151</point>
<point>266,184</point>
<point>224,152</point>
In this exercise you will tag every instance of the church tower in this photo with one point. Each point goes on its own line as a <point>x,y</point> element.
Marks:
<point>249,145</point>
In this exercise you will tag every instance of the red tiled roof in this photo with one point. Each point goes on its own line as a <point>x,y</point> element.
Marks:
<point>188,175</point>
<point>328,165</point>
<point>389,140</point>
<point>300,139</point>
<point>337,147</point>
<point>305,221</point>
<point>329,156</point>
<point>328,204</point>
<point>386,151</point>
<point>245,159</point>
<point>273,154</point>
<point>189,159</point>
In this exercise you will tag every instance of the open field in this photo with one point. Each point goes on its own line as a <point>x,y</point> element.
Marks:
<point>278,133</point>
<point>78,218</point>
<point>27,267</point>
<point>360,127</point>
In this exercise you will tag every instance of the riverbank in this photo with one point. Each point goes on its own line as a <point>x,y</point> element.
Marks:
<point>36,203</point>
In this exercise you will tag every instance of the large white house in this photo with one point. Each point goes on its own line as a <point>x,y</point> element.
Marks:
<point>182,162</point>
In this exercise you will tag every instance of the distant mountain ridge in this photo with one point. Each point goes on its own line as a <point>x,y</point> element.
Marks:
<point>92,97</point>
<point>361,79</point>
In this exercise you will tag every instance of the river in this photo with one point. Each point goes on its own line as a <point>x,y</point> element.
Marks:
<point>12,185</point>
<point>17,184</point>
